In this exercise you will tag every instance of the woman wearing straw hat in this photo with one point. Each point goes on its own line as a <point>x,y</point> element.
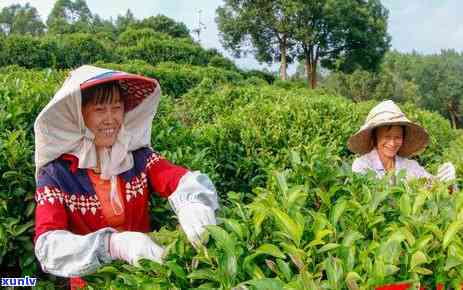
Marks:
<point>95,171</point>
<point>386,140</point>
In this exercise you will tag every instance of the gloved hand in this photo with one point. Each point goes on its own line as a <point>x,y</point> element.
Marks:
<point>193,217</point>
<point>446,172</point>
<point>133,246</point>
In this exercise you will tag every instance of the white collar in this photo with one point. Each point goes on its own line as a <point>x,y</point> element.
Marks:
<point>377,164</point>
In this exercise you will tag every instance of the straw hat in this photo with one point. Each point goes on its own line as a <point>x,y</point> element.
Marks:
<point>388,113</point>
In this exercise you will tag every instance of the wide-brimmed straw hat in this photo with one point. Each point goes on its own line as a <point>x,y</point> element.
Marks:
<point>384,114</point>
<point>134,88</point>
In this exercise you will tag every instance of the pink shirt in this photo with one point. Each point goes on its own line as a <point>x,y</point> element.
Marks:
<point>371,161</point>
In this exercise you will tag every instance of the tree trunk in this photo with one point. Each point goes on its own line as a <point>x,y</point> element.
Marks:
<point>307,70</point>
<point>313,74</point>
<point>453,116</point>
<point>283,58</point>
<point>310,67</point>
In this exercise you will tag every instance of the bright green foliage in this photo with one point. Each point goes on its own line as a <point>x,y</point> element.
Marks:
<point>356,233</point>
<point>176,79</point>
<point>22,95</point>
<point>293,214</point>
<point>248,130</point>
<point>132,36</point>
<point>26,51</point>
<point>67,51</point>
<point>155,50</point>
<point>221,62</point>
<point>78,49</point>
<point>74,49</point>
<point>164,24</point>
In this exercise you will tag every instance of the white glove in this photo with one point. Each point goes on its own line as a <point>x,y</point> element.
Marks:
<point>133,246</point>
<point>193,217</point>
<point>446,172</point>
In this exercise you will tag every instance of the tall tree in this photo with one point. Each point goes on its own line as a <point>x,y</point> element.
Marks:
<point>440,81</point>
<point>69,16</point>
<point>340,34</point>
<point>262,26</point>
<point>165,25</point>
<point>21,20</point>
<point>125,21</point>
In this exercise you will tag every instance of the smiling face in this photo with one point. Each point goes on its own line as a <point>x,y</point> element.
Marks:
<point>389,139</point>
<point>103,113</point>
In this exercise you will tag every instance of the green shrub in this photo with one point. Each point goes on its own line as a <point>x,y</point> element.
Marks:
<point>249,130</point>
<point>132,36</point>
<point>359,234</point>
<point>154,51</point>
<point>279,160</point>
<point>176,79</point>
<point>289,84</point>
<point>23,93</point>
<point>80,48</point>
<point>26,51</point>
<point>267,76</point>
<point>221,62</point>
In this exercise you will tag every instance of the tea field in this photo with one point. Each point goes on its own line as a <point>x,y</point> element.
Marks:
<point>293,215</point>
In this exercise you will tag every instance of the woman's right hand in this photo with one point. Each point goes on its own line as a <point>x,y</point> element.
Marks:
<point>446,172</point>
<point>133,246</point>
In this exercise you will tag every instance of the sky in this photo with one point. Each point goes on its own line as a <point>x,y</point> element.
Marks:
<point>426,26</point>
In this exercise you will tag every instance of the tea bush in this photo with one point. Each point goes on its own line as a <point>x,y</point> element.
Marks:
<point>176,79</point>
<point>249,129</point>
<point>23,93</point>
<point>361,234</point>
<point>155,50</point>
<point>293,214</point>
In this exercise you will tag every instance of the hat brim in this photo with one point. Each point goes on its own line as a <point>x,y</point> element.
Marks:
<point>134,88</point>
<point>415,140</point>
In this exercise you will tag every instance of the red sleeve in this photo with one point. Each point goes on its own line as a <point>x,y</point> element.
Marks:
<point>50,213</point>
<point>163,175</point>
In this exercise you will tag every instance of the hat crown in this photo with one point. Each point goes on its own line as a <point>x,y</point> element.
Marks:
<point>386,110</point>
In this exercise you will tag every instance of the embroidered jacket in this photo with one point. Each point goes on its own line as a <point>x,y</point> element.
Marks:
<point>66,200</point>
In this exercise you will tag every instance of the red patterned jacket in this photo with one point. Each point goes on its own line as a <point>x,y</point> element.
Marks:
<point>66,200</point>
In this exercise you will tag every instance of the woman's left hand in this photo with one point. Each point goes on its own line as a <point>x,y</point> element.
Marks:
<point>193,218</point>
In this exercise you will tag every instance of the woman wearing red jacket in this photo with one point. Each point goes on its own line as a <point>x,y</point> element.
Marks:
<point>95,171</point>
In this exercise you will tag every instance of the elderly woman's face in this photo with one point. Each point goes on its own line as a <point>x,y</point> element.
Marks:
<point>389,139</point>
<point>104,120</point>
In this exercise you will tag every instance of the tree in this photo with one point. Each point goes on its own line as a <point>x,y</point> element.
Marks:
<point>261,24</point>
<point>440,82</point>
<point>21,20</point>
<point>125,21</point>
<point>104,27</point>
<point>164,24</point>
<point>340,34</point>
<point>69,17</point>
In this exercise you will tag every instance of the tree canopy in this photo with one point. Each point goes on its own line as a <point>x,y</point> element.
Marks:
<point>340,34</point>
<point>69,16</point>
<point>20,20</point>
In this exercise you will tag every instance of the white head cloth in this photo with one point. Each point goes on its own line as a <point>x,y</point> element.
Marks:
<point>60,128</point>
